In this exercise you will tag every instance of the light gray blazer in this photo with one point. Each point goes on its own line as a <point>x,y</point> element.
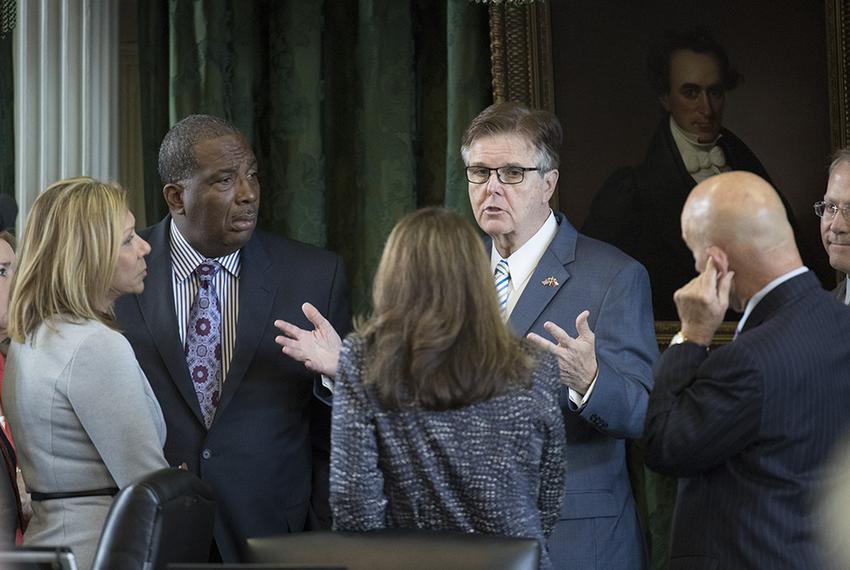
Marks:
<point>83,417</point>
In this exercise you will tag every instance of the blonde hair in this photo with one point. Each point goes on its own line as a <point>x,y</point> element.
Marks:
<point>68,255</point>
<point>436,337</point>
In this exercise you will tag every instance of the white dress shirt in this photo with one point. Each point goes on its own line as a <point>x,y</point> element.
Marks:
<point>754,300</point>
<point>184,260</point>
<point>702,160</point>
<point>522,264</point>
<point>523,261</point>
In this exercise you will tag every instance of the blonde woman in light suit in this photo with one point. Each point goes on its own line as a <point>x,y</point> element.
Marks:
<point>85,420</point>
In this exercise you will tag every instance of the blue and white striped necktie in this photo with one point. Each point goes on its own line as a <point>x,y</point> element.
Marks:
<point>502,277</point>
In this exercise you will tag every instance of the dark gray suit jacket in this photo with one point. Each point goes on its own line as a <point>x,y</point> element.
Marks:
<point>748,428</point>
<point>598,526</point>
<point>266,453</point>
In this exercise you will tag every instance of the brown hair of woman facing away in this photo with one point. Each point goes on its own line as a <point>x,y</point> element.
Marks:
<point>67,255</point>
<point>436,337</point>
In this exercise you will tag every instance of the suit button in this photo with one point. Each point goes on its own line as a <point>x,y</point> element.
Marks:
<point>206,454</point>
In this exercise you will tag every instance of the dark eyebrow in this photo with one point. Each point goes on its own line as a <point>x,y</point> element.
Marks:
<point>699,87</point>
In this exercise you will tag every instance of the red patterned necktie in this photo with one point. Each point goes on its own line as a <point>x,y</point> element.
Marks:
<point>203,341</point>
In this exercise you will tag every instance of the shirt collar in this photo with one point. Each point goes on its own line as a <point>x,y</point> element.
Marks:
<point>683,138</point>
<point>523,261</point>
<point>847,290</point>
<point>754,300</point>
<point>185,258</point>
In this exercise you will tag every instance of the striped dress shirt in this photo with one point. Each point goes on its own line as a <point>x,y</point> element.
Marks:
<point>185,284</point>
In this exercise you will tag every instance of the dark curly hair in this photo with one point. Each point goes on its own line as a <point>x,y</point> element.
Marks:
<point>695,39</point>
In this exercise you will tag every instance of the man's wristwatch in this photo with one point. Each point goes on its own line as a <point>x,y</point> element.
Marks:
<point>680,337</point>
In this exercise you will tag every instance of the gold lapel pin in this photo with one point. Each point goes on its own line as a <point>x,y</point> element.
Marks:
<point>550,282</point>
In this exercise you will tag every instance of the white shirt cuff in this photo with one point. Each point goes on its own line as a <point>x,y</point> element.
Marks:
<point>580,400</point>
<point>329,384</point>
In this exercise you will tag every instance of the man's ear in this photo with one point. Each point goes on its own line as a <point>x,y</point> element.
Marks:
<point>721,260</point>
<point>551,180</point>
<point>664,99</point>
<point>173,194</point>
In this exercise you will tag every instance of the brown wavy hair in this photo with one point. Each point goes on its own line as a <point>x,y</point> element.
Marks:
<point>436,338</point>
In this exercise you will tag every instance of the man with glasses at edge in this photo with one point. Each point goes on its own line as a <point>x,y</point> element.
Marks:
<point>835,228</point>
<point>547,273</point>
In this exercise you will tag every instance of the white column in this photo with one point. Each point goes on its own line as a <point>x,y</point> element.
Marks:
<point>66,105</point>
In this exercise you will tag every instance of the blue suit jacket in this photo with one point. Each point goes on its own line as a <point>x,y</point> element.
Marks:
<point>598,526</point>
<point>749,426</point>
<point>266,453</point>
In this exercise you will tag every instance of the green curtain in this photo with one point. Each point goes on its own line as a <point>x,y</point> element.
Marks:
<point>7,118</point>
<point>355,108</point>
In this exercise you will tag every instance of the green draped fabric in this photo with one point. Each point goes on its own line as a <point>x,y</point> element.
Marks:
<point>7,118</point>
<point>355,108</point>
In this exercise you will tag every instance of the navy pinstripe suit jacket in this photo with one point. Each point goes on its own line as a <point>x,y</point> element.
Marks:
<point>748,428</point>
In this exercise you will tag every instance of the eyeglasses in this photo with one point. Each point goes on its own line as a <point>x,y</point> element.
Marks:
<point>505,174</point>
<point>828,210</point>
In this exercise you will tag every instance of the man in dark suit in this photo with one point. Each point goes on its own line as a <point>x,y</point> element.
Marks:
<point>246,421</point>
<point>548,273</point>
<point>748,427</point>
<point>637,208</point>
<point>834,212</point>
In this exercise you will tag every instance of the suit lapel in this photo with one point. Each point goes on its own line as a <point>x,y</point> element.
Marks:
<point>548,278</point>
<point>256,293</point>
<point>156,304</point>
<point>779,297</point>
<point>841,290</point>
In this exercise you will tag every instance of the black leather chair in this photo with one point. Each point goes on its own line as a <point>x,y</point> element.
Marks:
<point>164,517</point>
<point>397,548</point>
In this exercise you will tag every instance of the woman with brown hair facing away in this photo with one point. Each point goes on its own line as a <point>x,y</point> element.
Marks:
<point>85,420</point>
<point>442,418</point>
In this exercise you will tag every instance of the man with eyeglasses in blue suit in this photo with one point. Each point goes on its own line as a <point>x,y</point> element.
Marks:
<point>584,300</point>
<point>834,213</point>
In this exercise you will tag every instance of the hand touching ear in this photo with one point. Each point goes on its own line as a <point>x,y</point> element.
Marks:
<point>702,303</point>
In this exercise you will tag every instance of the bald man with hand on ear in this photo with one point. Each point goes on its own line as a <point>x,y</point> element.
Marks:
<point>748,427</point>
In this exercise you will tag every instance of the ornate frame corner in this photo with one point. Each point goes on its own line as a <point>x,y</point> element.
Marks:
<point>837,44</point>
<point>521,54</point>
